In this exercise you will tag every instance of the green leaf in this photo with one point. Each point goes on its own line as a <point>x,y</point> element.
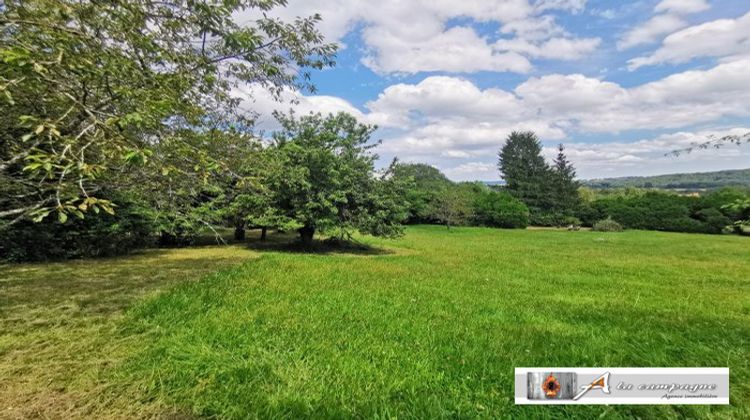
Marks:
<point>62,217</point>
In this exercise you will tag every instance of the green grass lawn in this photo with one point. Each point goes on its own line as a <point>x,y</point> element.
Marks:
<point>430,325</point>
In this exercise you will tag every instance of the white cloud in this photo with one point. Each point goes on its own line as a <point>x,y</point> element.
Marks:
<point>573,6</point>
<point>651,30</point>
<point>606,14</point>
<point>718,38</point>
<point>458,50</point>
<point>653,156</point>
<point>682,6</point>
<point>415,36</point>
<point>256,100</point>
<point>442,118</point>
<point>555,48</point>
<point>472,171</point>
<point>668,20</point>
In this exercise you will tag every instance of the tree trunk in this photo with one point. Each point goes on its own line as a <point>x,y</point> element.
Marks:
<point>263,232</point>
<point>306,234</point>
<point>239,231</point>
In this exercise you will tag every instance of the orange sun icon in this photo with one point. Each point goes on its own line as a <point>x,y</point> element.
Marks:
<point>551,387</point>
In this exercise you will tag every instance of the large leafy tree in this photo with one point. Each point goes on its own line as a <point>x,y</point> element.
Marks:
<point>527,175</point>
<point>90,88</point>
<point>328,183</point>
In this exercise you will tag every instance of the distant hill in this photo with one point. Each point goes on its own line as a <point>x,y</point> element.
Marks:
<point>692,181</point>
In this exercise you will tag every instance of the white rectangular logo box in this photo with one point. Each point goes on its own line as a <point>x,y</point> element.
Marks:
<point>552,385</point>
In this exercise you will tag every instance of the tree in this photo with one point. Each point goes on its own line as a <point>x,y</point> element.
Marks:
<point>525,172</point>
<point>453,206</point>
<point>564,183</point>
<point>740,207</point>
<point>90,89</point>
<point>427,183</point>
<point>328,183</point>
<point>500,209</point>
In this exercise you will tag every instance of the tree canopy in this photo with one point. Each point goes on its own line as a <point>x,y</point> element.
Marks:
<point>329,183</point>
<point>90,89</point>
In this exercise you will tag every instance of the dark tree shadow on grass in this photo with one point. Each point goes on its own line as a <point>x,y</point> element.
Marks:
<point>290,242</point>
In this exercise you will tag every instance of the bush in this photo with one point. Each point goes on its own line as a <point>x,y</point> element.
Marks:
<point>500,209</point>
<point>607,225</point>
<point>572,221</point>
<point>97,235</point>
<point>714,221</point>
<point>547,219</point>
<point>587,214</point>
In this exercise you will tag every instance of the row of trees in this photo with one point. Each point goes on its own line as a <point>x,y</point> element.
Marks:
<point>119,124</point>
<point>433,198</point>
<point>724,210</point>
<point>316,174</point>
<point>543,194</point>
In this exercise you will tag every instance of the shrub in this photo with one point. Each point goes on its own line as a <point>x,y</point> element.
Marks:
<point>500,209</point>
<point>607,225</point>
<point>547,219</point>
<point>714,221</point>
<point>96,235</point>
<point>572,221</point>
<point>587,214</point>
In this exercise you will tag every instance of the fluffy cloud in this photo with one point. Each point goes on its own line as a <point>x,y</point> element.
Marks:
<point>457,50</point>
<point>415,36</point>
<point>718,38</point>
<point>567,102</point>
<point>668,21</point>
<point>573,6</point>
<point>472,171</point>
<point>446,112</point>
<point>442,119</point>
<point>652,156</point>
<point>555,48</point>
<point>682,6</point>
<point>651,30</point>
<point>257,101</point>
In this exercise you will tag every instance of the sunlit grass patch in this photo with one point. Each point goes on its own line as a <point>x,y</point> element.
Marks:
<point>434,326</point>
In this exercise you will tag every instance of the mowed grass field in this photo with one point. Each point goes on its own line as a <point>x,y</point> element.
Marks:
<point>429,325</point>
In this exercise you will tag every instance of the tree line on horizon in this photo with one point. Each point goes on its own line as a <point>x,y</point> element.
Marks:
<point>542,194</point>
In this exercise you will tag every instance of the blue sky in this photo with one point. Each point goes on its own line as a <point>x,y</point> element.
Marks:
<point>619,83</point>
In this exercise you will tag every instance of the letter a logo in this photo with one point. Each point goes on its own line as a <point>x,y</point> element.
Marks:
<point>601,382</point>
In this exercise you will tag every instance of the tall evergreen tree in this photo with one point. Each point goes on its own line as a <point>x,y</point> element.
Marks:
<point>525,172</point>
<point>565,185</point>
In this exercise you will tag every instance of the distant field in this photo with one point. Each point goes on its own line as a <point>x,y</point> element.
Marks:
<point>430,325</point>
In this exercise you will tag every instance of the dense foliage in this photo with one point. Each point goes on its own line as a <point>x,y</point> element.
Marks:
<point>550,192</point>
<point>329,182</point>
<point>427,184</point>
<point>607,225</point>
<point>97,235</point>
<point>666,211</point>
<point>91,89</point>
<point>500,209</point>
<point>136,98</point>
